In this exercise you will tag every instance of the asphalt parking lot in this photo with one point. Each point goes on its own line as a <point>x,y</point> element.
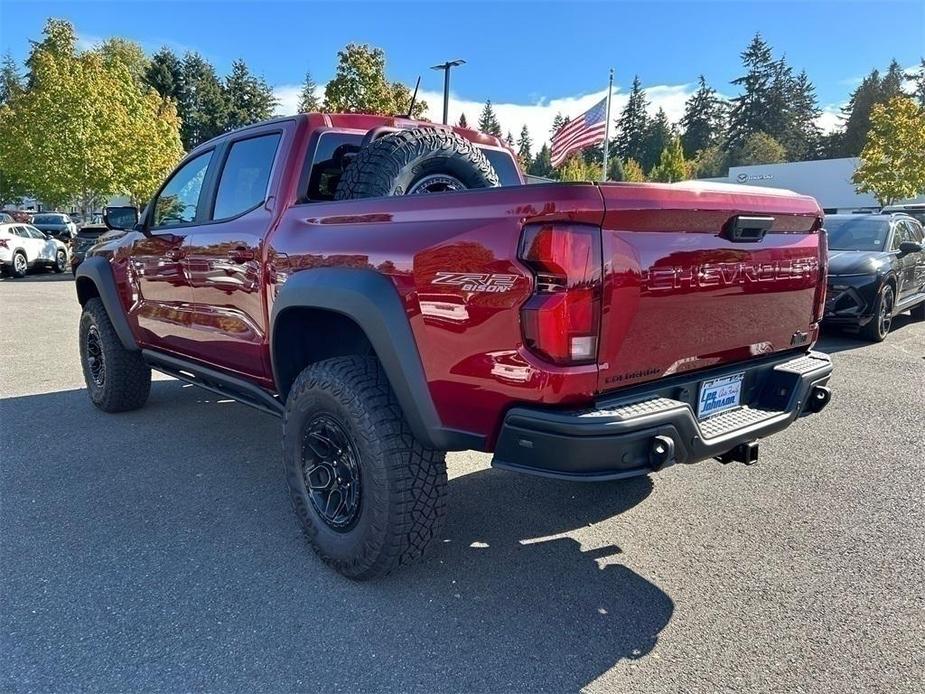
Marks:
<point>155,551</point>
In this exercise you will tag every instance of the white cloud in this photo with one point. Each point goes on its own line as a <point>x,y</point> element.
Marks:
<point>287,97</point>
<point>538,116</point>
<point>87,42</point>
<point>830,119</point>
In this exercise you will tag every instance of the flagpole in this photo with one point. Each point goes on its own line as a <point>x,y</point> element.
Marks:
<point>607,127</point>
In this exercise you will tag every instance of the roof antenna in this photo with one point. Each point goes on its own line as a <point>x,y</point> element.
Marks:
<point>414,98</point>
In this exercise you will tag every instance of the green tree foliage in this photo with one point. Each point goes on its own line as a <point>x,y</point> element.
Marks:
<point>710,162</point>
<point>360,85</point>
<point>873,90</point>
<point>917,76</point>
<point>632,172</point>
<point>58,39</point>
<point>249,98</point>
<point>86,129</point>
<point>893,159</point>
<point>524,144</point>
<point>671,166</point>
<point>308,97</point>
<point>704,119</point>
<point>463,123</point>
<point>615,170</point>
<point>658,136</point>
<point>165,75</point>
<point>751,110</point>
<point>203,107</point>
<point>802,137</point>
<point>574,168</point>
<point>488,121</point>
<point>557,122</point>
<point>542,164</point>
<point>127,53</point>
<point>509,140</point>
<point>11,81</point>
<point>759,148</point>
<point>633,125</point>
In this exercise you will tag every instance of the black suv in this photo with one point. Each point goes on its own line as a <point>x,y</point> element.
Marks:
<point>876,270</point>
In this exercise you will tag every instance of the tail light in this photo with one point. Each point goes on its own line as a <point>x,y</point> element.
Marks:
<point>561,321</point>
<point>819,300</point>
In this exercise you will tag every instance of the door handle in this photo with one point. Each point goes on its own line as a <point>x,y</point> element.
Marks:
<point>173,254</point>
<point>242,254</point>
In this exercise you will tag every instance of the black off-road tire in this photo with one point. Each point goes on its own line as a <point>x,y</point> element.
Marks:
<point>394,163</point>
<point>402,484</point>
<point>875,331</point>
<point>126,379</point>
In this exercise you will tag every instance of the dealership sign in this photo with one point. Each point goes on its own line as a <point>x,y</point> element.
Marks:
<point>745,178</point>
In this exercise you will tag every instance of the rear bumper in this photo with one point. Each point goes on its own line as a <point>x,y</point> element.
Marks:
<point>645,430</point>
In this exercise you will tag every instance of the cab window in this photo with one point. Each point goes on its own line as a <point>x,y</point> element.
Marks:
<point>244,179</point>
<point>178,202</point>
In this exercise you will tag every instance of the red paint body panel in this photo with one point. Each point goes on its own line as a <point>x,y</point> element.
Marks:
<point>676,295</point>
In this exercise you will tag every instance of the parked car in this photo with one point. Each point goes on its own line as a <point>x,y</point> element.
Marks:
<point>916,210</point>
<point>19,216</point>
<point>392,290</point>
<point>83,241</point>
<point>876,270</point>
<point>59,225</point>
<point>22,246</point>
<point>5,218</point>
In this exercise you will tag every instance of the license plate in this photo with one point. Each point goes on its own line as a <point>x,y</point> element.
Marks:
<point>719,395</point>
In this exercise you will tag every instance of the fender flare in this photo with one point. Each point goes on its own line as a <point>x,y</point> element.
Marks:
<point>97,270</point>
<point>372,302</point>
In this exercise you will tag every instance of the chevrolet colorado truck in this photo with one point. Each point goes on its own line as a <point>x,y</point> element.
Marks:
<point>391,290</point>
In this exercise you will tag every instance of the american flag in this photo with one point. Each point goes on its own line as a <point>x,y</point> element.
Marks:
<point>586,130</point>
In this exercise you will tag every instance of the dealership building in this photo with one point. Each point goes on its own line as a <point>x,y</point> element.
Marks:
<point>827,180</point>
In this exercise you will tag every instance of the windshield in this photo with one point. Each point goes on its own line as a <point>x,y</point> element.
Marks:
<point>48,219</point>
<point>857,233</point>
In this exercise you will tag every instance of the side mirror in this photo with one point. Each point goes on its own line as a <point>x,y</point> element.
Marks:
<point>123,218</point>
<point>907,247</point>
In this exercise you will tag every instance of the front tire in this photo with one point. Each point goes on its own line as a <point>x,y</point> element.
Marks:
<point>117,379</point>
<point>879,326</point>
<point>369,496</point>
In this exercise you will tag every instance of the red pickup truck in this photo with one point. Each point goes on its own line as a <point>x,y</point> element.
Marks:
<point>392,291</point>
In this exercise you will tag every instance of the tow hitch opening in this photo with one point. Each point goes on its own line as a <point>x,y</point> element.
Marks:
<point>746,453</point>
<point>818,398</point>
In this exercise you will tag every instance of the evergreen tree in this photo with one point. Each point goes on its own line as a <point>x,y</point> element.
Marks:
<point>917,75</point>
<point>308,97</point>
<point>892,84</point>
<point>248,97</point>
<point>488,121</point>
<point>671,166</point>
<point>633,125</point>
<point>509,140</point>
<point>658,136</point>
<point>542,166</point>
<point>463,123</point>
<point>802,138</point>
<point>165,75</point>
<point>11,82</point>
<point>703,120</point>
<point>615,170</point>
<point>857,115</point>
<point>524,143</point>
<point>202,102</point>
<point>557,123</point>
<point>751,110</point>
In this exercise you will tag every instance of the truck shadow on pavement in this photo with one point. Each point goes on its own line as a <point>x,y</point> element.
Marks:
<point>156,550</point>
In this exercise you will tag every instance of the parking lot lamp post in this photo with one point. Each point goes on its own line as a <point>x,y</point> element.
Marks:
<point>446,84</point>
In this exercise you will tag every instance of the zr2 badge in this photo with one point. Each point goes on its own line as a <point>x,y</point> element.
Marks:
<point>477,281</point>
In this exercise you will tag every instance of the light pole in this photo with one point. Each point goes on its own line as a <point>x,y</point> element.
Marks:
<point>446,84</point>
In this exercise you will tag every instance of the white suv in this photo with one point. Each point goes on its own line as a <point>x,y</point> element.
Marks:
<point>23,246</point>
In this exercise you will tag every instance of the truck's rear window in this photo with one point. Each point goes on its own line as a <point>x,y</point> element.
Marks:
<point>333,150</point>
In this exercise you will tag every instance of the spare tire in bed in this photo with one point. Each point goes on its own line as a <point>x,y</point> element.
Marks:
<point>408,162</point>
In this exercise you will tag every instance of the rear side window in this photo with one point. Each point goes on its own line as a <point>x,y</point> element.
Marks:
<point>332,154</point>
<point>503,165</point>
<point>244,179</point>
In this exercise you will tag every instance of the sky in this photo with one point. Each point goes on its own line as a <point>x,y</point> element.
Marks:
<point>532,58</point>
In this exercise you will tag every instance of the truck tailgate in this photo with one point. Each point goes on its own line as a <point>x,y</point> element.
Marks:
<point>698,275</point>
